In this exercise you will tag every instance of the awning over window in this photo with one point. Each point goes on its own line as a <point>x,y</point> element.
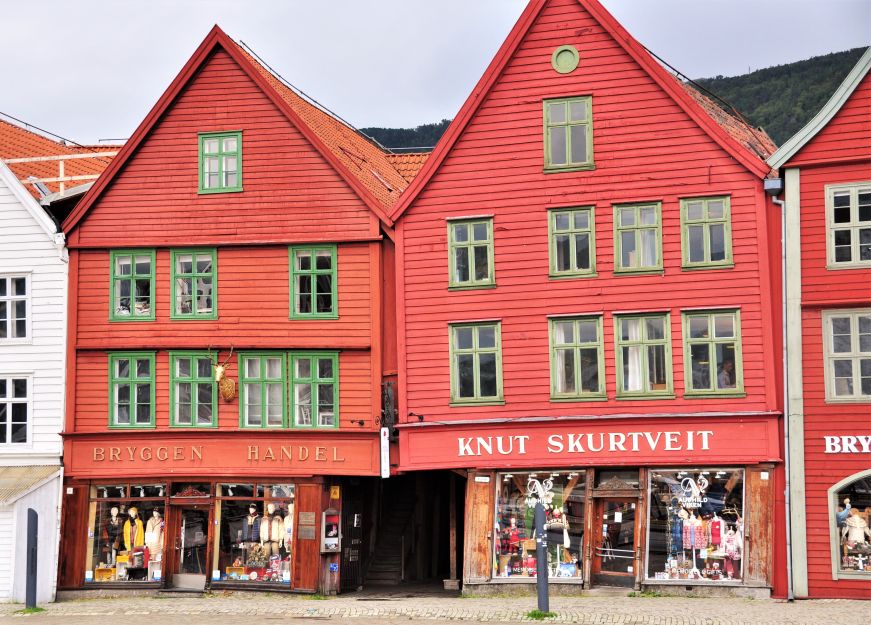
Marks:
<point>15,482</point>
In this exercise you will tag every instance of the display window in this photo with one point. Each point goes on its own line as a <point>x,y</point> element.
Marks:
<point>255,540</point>
<point>514,547</point>
<point>696,525</point>
<point>852,517</point>
<point>126,533</point>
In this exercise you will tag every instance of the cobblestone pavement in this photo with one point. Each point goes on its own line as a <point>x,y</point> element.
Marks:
<point>434,610</point>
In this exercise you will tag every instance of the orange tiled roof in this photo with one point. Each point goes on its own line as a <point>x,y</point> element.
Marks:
<point>17,142</point>
<point>409,163</point>
<point>367,162</point>
<point>754,139</point>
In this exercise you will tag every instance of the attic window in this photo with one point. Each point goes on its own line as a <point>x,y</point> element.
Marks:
<point>565,59</point>
<point>220,162</point>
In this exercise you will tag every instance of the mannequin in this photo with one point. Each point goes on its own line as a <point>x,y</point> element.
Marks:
<point>113,534</point>
<point>154,535</point>
<point>272,531</point>
<point>855,528</point>
<point>251,527</point>
<point>134,532</point>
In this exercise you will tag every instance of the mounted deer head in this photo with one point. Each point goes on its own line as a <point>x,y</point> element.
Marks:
<point>226,386</point>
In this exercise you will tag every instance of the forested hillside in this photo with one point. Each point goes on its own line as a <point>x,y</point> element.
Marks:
<point>781,99</point>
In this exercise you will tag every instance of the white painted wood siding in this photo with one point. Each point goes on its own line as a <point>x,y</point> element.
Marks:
<point>6,531</point>
<point>45,501</point>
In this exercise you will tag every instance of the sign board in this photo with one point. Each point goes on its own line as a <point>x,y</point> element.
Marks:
<point>335,492</point>
<point>385,453</point>
<point>307,518</point>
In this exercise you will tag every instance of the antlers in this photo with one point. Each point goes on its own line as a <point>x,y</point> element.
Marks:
<point>229,356</point>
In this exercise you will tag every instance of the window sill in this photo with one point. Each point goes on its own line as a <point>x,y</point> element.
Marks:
<point>578,398</point>
<point>730,265</point>
<point>848,400</point>
<point>213,191</point>
<point>569,168</point>
<point>859,265</point>
<point>130,319</point>
<point>852,575</point>
<point>644,396</point>
<point>471,287</point>
<point>472,404</point>
<point>133,427</point>
<point>639,272</point>
<point>28,340</point>
<point>572,276</point>
<point>313,317</point>
<point>714,395</point>
<point>192,318</point>
<point>177,426</point>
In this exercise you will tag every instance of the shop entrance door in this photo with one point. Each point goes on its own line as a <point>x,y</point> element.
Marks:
<point>615,533</point>
<point>190,547</point>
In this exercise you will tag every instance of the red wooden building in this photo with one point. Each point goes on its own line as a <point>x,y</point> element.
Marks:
<point>586,301</point>
<point>242,230</point>
<point>826,168</point>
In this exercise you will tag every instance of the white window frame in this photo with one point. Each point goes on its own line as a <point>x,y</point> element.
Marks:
<point>855,355</point>
<point>854,225</point>
<point>9,298</point>
<point>28,377</point>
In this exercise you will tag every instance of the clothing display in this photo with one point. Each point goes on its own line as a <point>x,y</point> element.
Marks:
<point>134,531</point>
<point>154,535</point>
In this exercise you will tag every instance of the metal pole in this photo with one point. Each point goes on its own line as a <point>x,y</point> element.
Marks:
<point>541,559</point>
<point>32,552</point>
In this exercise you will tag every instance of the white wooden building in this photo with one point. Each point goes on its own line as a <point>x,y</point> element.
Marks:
<point>33,303</point>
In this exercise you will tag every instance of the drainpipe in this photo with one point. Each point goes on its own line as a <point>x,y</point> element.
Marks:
<point>773,187</point>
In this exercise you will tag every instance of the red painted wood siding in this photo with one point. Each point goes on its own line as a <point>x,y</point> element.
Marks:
<point>253,297</point>
<point>92,394</point>
<point>846,136</point>
<point>290,191</point>
<point>646,149</point>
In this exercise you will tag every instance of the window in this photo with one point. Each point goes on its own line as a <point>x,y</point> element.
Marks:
<point>707,232</point>
<point>696,528</point>
<point>313,283</point>
<point>476,363</point>
<point>576,358</point>
<point>14,408</point>
<point>193,390</point>
<point>848,355</point>
<point>514,544</point>
<point>13,307</point>
<point>315,389</point>
<point>572,242</point>
<point>470,253</point>
<point>132,285</point>
<point>131,394</point>
<point>712,352</point>
<point>262,400</point>
<point>643,356</point>
<point>638,238</point>
<point>193,284</point>
<point>568,134</point>
<point>849,504</point>
<point>848,211</point>
<point>220,162</point>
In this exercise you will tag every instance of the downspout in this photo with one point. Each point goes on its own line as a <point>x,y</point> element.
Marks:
<point>775,190</point>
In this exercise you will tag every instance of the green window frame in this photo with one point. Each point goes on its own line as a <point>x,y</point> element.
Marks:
<point>568,134</point>
<point>638,238</point>
<point>470,253</point>
<point>313,283</point>
<point>644,368</point>
<point>712,339</point>
<point>577,358</point>
<point>194,284</point>
<point>220,161</point>
<point>131,390</point>
<point>476,363</point>
<point>262,395</point>
<point>706,232</point>
<point>572,237</point>
<point>131,289</point>
<point>314,389</point>
<point>193,392</point>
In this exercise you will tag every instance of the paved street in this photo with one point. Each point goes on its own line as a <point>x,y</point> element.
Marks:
<point>374,610</point>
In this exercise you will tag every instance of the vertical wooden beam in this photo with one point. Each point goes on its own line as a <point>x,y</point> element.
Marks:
<point>452,512</point>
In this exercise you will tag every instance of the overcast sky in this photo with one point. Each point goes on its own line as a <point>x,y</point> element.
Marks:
<point>89,69</point>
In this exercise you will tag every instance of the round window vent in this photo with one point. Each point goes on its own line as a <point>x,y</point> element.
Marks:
<point>565,59</point>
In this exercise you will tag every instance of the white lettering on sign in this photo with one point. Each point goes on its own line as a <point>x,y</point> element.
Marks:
<point>848,444</point>
<point>610,442</point>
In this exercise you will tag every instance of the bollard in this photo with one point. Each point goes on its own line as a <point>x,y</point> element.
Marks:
<point>541,570</point>
<point>32,552</point>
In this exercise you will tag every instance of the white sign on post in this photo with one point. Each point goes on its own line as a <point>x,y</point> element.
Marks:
<point>385,453</point>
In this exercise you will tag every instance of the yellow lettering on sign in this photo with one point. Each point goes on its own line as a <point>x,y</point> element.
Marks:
<point>99,454</point>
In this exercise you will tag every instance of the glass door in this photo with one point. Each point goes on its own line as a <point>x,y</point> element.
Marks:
<point>614,542</point>
<point>191,544</point>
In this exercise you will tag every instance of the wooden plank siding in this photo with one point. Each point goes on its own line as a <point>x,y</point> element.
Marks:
<point>646,149</point>
<point>291,193</point>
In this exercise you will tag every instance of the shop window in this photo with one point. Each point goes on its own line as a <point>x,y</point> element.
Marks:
<point>707,232</point>
<point>194,277</point>
<point>712,353</point>
<point>851,525</point>
<point>638,238</point>
<point>696,525</point>
<point>572,242</point>
<point>568,134</point>
<point>577,359</point>
<point>14,409</point>
<point>132,289</point>
<point>313,290</point>
<point>470,253</point>
<point>514,554</point>
<point>847,337</point>
<point>255,540</point>
<point>848,217</point>
<point>220,162</point>
<point>131,392</point>
<point>193,390</point>
<point>643,356</point>
<point>127,533</point>
<point>14,300</point>
<point>476,363</point>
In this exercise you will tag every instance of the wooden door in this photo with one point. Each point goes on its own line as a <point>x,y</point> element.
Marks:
<point>758,524</point>
<point>189,545</point>
<point>478,552</point>
<point>614,542</point>
<point>73,531</point>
